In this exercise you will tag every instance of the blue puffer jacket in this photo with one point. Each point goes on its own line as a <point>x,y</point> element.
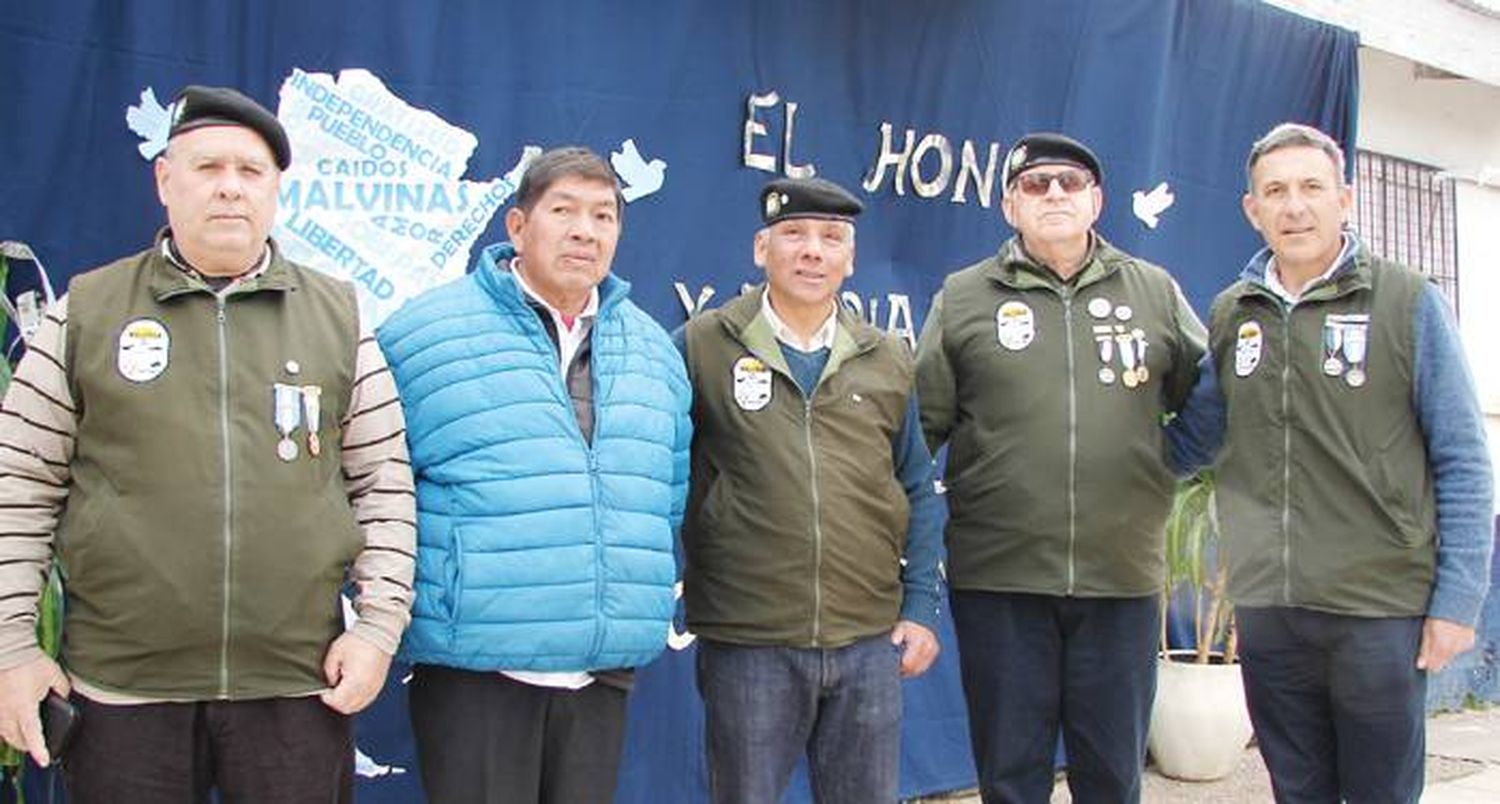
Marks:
<point>537,551</point>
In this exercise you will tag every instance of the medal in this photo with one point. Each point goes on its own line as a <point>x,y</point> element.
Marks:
<point>1333,337</point>
<point>1355,343</point>
<point>312,410</point>
<point>1099,307</point>
<point>1127,358</point>
<point>1124,313</point>
<point>1106,343</point>
<point>287,414</point>
<point>1141,372</point>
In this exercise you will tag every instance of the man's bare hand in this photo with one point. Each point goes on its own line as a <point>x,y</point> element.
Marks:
<point>355,670</point>
<point>919,647</point>
<point>1442,640</point>
<point>22,689</point>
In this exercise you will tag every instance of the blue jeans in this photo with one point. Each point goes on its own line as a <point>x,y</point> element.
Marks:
<point>1338,703</point>
<point>765,706</point>
<point>1032,663</point>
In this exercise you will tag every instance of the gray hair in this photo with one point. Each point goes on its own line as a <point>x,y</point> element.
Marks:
<point>1293,135</point>
<point>559,163</point>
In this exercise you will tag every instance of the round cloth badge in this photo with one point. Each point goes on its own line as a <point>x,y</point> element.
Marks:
<point>1015,325</point>
<point>1247,347</point>
<point>144,350</point>
<point>752,383</point>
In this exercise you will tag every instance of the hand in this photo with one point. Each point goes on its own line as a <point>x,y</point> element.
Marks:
<point>355,670</point>
<point>1442,640</point>
<point>22,689</point>
<point>919,647</point>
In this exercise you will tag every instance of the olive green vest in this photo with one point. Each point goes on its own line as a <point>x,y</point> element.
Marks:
<point>1325,499</point>
<point>197,563</point>
<point>796,522</point>
<point>1056,474</point>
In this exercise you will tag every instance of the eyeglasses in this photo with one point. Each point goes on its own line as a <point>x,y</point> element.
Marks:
<point>1038,184</point>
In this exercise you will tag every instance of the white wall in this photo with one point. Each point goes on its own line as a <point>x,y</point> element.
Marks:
<point>1453,124</point>
<point>1479,291</point>
<point>1460,36</point>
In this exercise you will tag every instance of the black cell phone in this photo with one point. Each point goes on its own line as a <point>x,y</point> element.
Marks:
<point>59,722</point>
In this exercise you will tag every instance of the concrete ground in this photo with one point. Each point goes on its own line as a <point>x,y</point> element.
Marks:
<point>1463,767</point>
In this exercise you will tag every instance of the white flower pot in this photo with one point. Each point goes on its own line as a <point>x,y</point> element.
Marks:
<point>1199,723</point>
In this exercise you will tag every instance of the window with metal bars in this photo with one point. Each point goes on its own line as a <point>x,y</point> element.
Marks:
<point>1404,211</point>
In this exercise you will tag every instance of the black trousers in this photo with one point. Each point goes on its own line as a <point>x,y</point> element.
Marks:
<point>1338,703</point>
<point>1032,664</point>
<point>483,738</point>
<point>271,751</point>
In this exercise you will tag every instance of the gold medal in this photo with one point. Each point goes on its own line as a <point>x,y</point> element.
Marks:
<point>312,409</point>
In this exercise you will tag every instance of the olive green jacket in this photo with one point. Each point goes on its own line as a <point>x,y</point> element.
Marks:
<point>198,564</point>
<point>795,522</point>
<point>1057,477</point>
<point>1325,496</point>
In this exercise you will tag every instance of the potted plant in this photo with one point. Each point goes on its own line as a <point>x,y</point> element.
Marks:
<point>1199,722</point>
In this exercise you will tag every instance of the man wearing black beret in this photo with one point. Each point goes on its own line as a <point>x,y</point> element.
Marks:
<point>812,532</point>
<point>206,442</point>
<point>1047,369</point>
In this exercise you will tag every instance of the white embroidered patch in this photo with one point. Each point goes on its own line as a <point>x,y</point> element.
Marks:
<point>145,348</point>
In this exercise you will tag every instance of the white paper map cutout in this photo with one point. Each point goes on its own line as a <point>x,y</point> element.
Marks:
<point>374,193</point>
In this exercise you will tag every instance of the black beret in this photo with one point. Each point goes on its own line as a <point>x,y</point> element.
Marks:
<point>807,198</point>
<point>1049,149</point>
<point>197,107</point>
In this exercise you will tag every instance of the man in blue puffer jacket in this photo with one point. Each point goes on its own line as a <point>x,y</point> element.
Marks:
<point>547,417</point>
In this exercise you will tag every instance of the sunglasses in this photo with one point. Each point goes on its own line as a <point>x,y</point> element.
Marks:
<point>1071,181</point>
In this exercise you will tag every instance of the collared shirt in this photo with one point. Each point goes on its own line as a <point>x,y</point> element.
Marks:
<point>822,337</point>
<point>218,284</point>
<point>569,338</point>
<point>1273,275</point>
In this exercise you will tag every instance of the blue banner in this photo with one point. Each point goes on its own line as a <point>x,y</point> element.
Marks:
<point>409,121</point>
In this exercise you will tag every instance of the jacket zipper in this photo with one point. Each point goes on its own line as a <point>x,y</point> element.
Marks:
<point>597,644</point>
<point>1286,457</point>
<point>228,496</point>
<point>812,462</point>
<point>1067,300</point>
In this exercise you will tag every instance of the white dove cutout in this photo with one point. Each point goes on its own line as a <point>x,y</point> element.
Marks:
<point>151,121</point>
<point>1148,207</point>
<point>370,769</point>
<point>641,178</point>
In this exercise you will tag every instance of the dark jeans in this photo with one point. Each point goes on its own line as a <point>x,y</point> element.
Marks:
<point>1030,662</point>
<point>272,751</point>
<point>765,706</point>
<point>1337,702</point>
<point>484,738</point>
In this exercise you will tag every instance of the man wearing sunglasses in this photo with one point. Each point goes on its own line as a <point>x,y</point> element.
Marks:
<point>1047,369</point>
